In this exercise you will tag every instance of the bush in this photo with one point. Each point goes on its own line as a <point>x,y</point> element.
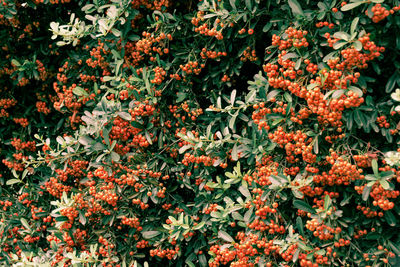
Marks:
<point>195,133</point>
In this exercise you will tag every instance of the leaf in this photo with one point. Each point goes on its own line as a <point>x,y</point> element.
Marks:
<point>354,24</point>
<point>288,97</point>
<point>115,156</point>
<point>210,15</point>
<point>233,3</point>
<point>357,45</point>
<point>13,181</point>
<point>342,35</point>
<point>25,224</point>
<point>150,234</point>
<point>391,83</point>
<point>337,93</point>
<point>232,122</point>
<point>148,138</point>
<point>351,6</point>
<point>199,225</point>
<point>303,246</point>
<point>365,193</point>
<point>396,249</point>
<point>300,225</point>
<point>385,184</point>
<point>386,175</point>
<point>106,132</point>
<point>357,117</point>
<point>390,219</point>
<point>124,115</point>
<point>82,218</point>
<point>374,164</point>
<point>245,192</point>
<point>289,56</point>
<point>339,44</point>
<point>181,97</point>
<point>356,90</point>
<point>233,96</point>
<point>203,260</point>
<point>327,202</point>
<point>298,64</point>
<point>184,148</point>
<point>79,91</point>
<point>301,205</point>
<point>267,27</point>
<point>272,94</point>
<point>15,62</point>
<point>329,56</point>
<point>316,147</point>
<point>234,153</point>
<point>225,236</point>
<point>275,180</point>
<point>296,7</point>
<point>85,140</point>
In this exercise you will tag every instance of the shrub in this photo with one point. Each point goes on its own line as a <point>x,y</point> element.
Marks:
<point>195,133</point>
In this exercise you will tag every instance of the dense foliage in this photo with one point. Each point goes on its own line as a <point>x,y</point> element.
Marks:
<point>195,133</point>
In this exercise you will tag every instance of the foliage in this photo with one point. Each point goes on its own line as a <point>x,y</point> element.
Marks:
<point>195,133</point>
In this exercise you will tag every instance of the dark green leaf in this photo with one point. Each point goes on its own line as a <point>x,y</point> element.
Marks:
<point>301,205</point>
<point>296,7</point>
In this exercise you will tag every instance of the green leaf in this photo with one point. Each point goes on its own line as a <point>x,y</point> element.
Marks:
<point>106,132</point>
<point>300,225</point>
<point>301,205</point>
<point>148,138</point>
<point>339,44</point>
<point>351,6</point>
<point>337,93</point>
<point>365,193</point>
<point>342,35</point>
<point>374,164</point>
<point>181,97</point>
<point>267,27</point>
<point>79,91</point>
<point>199,225</point>
<point>233,4</point>
<point>232,121</point>
<point>82,218</point>
<point>354,24</point>
<point>234,153</point>
<point>385,184</point>
<point>225,236</point>
<point>357,45</point>
<point>124,115</point>
<point>303,246</point>
<point>25,224</point>
<point>296,7</point>
<point>203,260</point>
<point>150,234</point>
<point>356,90</point>
<point>245,192</point>
<point>390,218</point>
<point>391,83</point>
<point>15,63</point>
<point>85,140</point>
<point>327,202</point>
<point>115,156</point>
<point>396,249</point>
<point>288,97</point>
<point>386,175</point>
<point>13,181</point>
